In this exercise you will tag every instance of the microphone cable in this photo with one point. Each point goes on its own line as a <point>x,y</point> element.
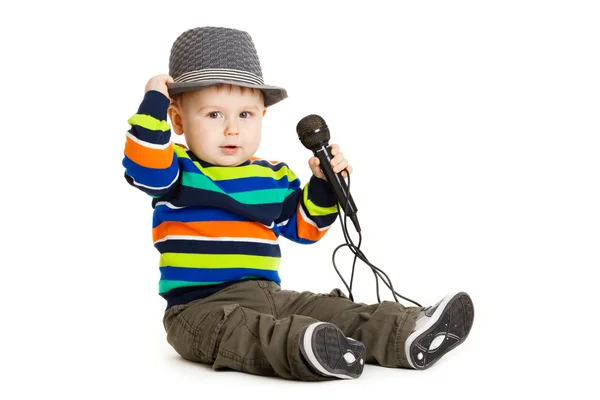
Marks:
<point>358,254</point>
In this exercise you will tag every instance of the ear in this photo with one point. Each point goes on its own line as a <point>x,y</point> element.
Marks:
<point>264,112</point>
<point>174,113</point>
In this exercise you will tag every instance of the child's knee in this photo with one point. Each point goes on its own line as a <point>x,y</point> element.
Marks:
<point>195,332</point>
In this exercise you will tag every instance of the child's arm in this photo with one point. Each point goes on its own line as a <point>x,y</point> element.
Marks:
<point>150,162</point>
<point>308,213</point>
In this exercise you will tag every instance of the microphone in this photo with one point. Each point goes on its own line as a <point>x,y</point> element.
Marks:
<point>314,135</point>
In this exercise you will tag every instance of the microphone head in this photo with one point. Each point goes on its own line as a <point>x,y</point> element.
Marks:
<point>313,131</point>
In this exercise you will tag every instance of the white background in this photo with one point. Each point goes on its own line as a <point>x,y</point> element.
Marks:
<point>473,130</point>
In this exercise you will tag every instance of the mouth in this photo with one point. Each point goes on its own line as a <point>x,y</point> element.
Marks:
<point>230,149</point>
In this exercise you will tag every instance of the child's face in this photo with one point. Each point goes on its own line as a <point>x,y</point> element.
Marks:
<point>223,125</point>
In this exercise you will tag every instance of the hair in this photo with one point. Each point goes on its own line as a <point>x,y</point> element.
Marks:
<point>179,99</point>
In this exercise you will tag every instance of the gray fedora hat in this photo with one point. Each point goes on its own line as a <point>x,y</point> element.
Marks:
<point>208,56</point>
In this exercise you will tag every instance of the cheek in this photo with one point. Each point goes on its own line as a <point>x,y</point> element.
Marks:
<point>203,133</point>
<point>203,141</point>
<point>256,129</point>
<point>255,138</point>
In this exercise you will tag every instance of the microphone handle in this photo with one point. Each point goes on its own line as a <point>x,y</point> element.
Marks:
<point>337,183</point>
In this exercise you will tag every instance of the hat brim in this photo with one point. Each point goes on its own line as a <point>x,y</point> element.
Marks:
<point>273,94</point>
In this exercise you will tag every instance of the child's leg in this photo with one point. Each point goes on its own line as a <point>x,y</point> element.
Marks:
<point>385,328</point>
<point>235,329</point>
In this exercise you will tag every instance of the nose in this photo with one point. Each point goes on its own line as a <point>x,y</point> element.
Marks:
<point>232,128</point>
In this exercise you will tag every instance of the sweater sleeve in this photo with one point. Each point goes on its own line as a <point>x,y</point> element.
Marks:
<point>307,212</point>
<point>150,161</point>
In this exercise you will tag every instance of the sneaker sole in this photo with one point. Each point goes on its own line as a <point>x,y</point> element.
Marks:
<point>328,358</point>
<point>448,327</point>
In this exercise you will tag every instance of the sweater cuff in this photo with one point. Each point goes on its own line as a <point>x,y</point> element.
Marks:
<point>155,104</point>
<point>321,193</point>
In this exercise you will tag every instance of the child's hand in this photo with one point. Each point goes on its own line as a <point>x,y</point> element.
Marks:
<point>159,83</point>
<point>338,163</point>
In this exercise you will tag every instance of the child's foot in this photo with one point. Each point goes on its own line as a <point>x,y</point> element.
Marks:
<point>439,329</point>
<point>329,352</point>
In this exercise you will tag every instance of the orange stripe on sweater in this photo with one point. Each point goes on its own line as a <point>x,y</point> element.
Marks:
<point>149,158</point>
<point>213,229</point>
<point>306,230</point>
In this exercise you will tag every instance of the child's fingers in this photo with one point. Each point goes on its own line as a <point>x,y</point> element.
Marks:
<point>159,83</point>
<point>335,149</point>
<point>314,161</point>
<point>340,166</point>
<point>337,160</point>
<point>313,164</point>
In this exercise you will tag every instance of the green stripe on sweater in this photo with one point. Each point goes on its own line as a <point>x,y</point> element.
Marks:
<point>246,171</point>
<point>263,196</point>
<point>164,285</point>
<point>148,122</point>
<point>314,209</point>
<point>210,261</point>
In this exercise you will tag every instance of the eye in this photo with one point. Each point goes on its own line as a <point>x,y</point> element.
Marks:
<point>245,114</point>
<point>214,114</point>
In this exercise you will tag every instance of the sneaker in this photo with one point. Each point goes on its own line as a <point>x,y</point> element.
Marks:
<point>439,329</point>
<point>330,353</point>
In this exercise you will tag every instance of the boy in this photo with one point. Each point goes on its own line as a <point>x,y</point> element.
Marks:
<point>218,212</point>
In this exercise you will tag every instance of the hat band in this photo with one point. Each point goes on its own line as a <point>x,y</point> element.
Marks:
<point>220,74</point>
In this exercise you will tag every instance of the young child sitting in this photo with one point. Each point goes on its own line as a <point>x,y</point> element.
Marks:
<point>218,214</point>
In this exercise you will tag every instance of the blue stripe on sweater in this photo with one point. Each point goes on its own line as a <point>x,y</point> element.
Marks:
<point>250,184</point>
<point>151,176</point>
<point>163,213</point>
<point>214,274</point>
<point>238,185</point>
<point>262,213</point>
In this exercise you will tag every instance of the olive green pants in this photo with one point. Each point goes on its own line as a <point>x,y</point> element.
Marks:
<point>254,327</point>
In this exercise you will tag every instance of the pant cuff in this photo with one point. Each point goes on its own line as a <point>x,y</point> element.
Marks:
<point>404,328</point>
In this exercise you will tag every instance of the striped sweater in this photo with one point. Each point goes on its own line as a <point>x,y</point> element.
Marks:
<point>214,224</point>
